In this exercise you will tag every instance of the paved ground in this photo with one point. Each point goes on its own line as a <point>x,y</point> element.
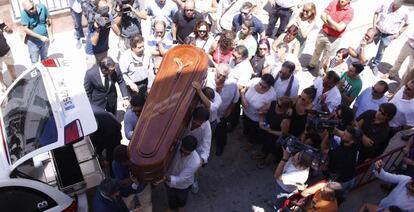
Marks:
<point>232,182</point>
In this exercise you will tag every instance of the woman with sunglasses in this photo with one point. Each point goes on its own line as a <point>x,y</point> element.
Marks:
<point>221,51</point>
<point>289,37</point>
<point>245,37</point>
<point>258,61</point>
<point>203,39</point>
<point>304,21</point>
<point>255,98</point>
<point>301,103</point>
<point>273,124</point>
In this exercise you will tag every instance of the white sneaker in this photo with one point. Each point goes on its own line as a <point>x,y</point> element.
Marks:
<point>78,44</point>
<point>195,188</point>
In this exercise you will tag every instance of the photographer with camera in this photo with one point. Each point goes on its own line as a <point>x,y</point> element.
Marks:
<point>375,127</point>
<point>273,124</point>
<point>290,174</point>
<point>127,15</point>
<point>342,160</point>
<point>99,24</point>
<point>328,96</point>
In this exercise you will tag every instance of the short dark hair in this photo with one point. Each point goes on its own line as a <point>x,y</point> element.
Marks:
<point>209,92</point>
<point>358,67</point>
<point>344,52</point>
<point>356,134</point>
<point>311,92</point>
<point>289,65</point>
<point>121,153</point>
<point>332,75</point>
<point>106,63</point>
<point>189,143</point>
<point>109,186</point>
<point>389,109</point>
<point>347,114</point>
<point>394,208</point>
<point>201,113</point>
<point>137,100</point>
<point>384,84</point>
<point>268,79</point>
<point>242,50</point>
<point>305,159</point>
<point>136,40</point>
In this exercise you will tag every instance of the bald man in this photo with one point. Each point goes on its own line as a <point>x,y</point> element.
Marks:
<point>184,22</point>
<point>35,21</point>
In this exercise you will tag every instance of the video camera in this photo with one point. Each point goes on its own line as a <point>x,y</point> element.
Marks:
<point>95,15</point>
<point>318,121</point>
<point>293,145</point>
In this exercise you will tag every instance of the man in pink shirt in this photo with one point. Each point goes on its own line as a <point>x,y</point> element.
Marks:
<point>335,17</point>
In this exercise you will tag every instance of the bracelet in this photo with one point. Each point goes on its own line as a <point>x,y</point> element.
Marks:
<point>284,160</point>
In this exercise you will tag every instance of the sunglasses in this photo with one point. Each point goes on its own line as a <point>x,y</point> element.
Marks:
<point>202,31</point>
<point>245,13</point>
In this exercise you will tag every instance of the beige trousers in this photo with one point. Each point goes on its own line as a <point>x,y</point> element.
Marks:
<point>406,51</point>
<point>326,46</point>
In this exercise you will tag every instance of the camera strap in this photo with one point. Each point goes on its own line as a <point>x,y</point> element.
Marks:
<point>289,87</point>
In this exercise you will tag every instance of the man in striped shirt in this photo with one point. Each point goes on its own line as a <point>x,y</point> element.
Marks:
<point>391,20</point>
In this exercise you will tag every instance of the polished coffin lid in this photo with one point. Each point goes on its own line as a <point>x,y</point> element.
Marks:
<point>167,112</point>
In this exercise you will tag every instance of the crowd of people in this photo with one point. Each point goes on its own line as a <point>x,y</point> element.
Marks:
<point>315,136</point>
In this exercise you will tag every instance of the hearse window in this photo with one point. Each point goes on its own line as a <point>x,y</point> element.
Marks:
<point>28,118</point>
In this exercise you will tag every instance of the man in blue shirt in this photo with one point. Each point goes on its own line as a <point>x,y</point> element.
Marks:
<point>35,21</point>
<point>129,186</point>
<point>246,13</point>
<point>371,98</point>
<point>131,116</point>
<point>97,39</point>
<point>107,197</point>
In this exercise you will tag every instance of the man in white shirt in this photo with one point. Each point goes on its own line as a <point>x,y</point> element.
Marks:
<point>241,69</point>
<point>180,175</point>
<point>371,98</point>
<point>404,101</point>
<point>402,195</point>
<point>286,84</point>
<point>200,128</point>
<point>391,20</point>
<point>328,96</point>
<point>134,65</point>
<point>76,12</point>
<point>229,93</point>
<point>364,49</point>
<point>211,100</point>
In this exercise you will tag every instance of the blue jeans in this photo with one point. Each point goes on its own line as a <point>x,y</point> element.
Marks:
<point>77,24</point>
<point>384,40</point>
<point>37,48</point>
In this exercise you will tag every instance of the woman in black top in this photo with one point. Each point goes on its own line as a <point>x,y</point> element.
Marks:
<point>275,123</point>
<point>258,61</point>
<point>302,103</point>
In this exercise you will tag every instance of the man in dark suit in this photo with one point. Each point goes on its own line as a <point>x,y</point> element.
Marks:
<point>100,82</point>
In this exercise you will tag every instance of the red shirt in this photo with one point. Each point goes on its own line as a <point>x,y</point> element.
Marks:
<point>339,15</point>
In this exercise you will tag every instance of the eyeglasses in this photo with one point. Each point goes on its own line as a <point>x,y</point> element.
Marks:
<point>244,13</point>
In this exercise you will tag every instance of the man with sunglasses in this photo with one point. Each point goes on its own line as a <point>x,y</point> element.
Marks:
<point>184,22</point>
<point>371,98</point>
<point>404,101</point>
<point>35,21</point>
<point>246,13</point>
<point>180,176</point>
<point>374,125</point>
<point>402,195</point>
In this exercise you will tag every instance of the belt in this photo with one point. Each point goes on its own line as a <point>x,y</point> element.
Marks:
<point>145,81</point>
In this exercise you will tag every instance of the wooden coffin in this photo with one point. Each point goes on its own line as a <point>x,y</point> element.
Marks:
<point>167,112</point>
